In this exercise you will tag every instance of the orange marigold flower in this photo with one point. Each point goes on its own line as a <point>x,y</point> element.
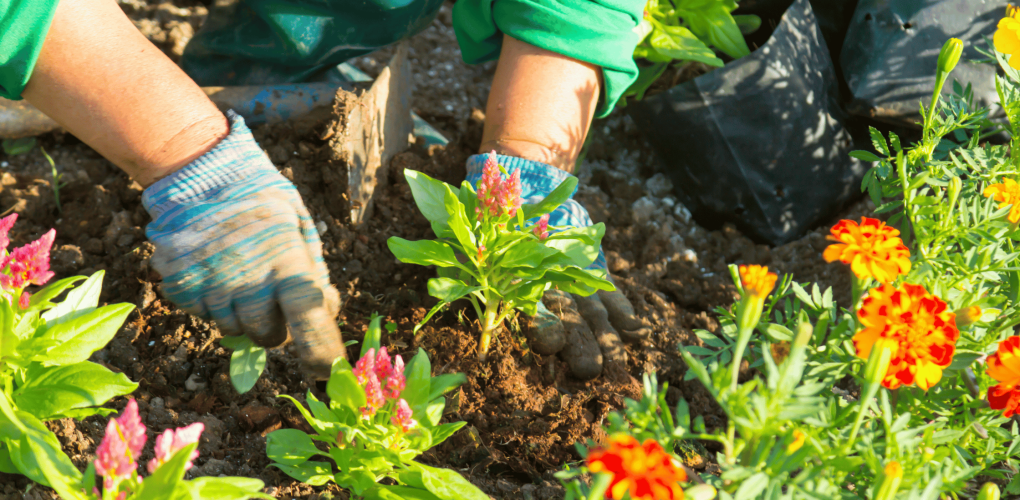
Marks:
<point>871,248</point>
<point>920,324</point>
<point>757,280</point>
<point>1007,36</point>
<point>1004,366</point>
<point>646,471</point>
<point>1008,192</point>
<point>798,441</point>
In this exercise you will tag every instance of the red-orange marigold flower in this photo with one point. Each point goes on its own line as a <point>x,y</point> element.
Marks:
<point>646,471</point>
<point>757,280</point>
<point>921,325</point>
<point>871,248</point>
<point>1007,194</point>
<point>1004,366</point>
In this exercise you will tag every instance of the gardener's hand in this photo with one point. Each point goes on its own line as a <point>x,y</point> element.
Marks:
<point>585,331</point>
<point>236,245</point>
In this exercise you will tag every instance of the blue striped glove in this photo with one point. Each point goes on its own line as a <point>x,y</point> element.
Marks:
<point>236,245</point>
<point>584,330</point>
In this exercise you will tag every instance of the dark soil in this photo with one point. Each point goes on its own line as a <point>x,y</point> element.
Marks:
<point>524,411</point>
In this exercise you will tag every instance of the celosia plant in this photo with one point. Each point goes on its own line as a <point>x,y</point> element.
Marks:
<point>44,349</point>
<point>488,253</point>
<point>380,417</point>
<point>117,465</point>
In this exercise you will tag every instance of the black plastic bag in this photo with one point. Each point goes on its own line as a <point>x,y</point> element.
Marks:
<point>892,46</point>
<point>760,142</point>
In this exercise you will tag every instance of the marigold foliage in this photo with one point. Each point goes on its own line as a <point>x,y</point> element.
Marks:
<point>871,248</point>
<point>645,471</point>
<point>1004,366</point>
<point>920,324</point>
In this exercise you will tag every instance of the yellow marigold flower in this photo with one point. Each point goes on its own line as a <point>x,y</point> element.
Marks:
<point>893,469</point>
<point>1007,36</point>
<point>871,248</point>
<point>967,316</point>
<point>921,325</point>
<point>645,471</point>
<point>1007,193</point>
<point>798,441</point>
<point>757,280</point>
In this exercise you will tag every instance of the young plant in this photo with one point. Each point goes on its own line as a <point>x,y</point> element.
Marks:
<point>57,184</point>
<point>380,417</point>
<point>247,362</point>
<point>44,349</point>
<point>117,464</point>
<point>489,254</point>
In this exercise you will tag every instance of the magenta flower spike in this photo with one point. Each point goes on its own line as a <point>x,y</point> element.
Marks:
<point>383,366</point>
<point>402,418</point>
<point>5,228</point>
<point>365,366</point>
<point>172,441</point>
<point>491,180</point>
<point>24,300</point>
<point>124,440</point>
<point>396,383</point>
<point>374,398</point>
<point>29,264</point>
<point>542,227</point>
<point>512,193</point>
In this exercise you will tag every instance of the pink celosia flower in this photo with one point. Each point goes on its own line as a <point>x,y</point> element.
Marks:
<point>25,300</point>
<point>29,264</point>
<point>542,227</point>
<point>396,382</point>
<point>5,227</point>
<point>510,194</point>
<point>172,441</point>
<point>124,439</point>
<point>481,250</point>
<point>364,366</point>
<point>374,398</point>
<point>383,366</point>
<point>402,418</point>
<point>490,179</point>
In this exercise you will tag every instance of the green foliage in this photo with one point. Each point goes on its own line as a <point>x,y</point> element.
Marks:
<point>675,32</point>
<point>363,451</point>
<point>45,373</point>
<point>14,147</point>
<point>247,362</point>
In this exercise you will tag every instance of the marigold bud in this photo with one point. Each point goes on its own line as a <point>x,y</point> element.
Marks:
<point>990,491</point>
<point>967,316</point>
<point>950,55</point>
<point>798,441</point>
<point>891,482</point>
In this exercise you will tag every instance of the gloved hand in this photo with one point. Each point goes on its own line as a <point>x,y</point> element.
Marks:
<point>236,245</point>
<point>585,331</point>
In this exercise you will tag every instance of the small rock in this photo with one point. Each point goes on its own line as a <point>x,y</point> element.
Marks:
<point>66,259</point>
<point>195,383</point>
<point>681,213</point>
<point>125,239</point>
<point>213,467</point>
<point>644,210</point>
<point>93,246</point>
<point>659,185</point>
<point>321,227</point>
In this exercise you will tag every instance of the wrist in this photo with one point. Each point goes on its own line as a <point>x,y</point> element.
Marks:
<point>183,148</point>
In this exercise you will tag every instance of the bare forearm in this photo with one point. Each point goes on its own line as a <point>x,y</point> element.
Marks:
<point>541,105</point>
<point>105,83</point>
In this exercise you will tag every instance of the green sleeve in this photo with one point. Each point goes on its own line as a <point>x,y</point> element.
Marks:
<point>600,32</point>
<point>23,28</point>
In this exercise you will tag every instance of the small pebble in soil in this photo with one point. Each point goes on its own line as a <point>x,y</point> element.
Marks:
<point>321,227</point>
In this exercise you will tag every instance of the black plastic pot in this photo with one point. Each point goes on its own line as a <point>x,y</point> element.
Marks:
<point>891,48</point>
<point>760,142</point>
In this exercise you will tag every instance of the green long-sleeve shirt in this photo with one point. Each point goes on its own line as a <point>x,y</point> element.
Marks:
<point>277,41</point>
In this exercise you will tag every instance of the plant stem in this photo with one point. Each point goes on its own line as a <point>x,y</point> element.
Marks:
<point>490,321</point>
<point>743,337</point>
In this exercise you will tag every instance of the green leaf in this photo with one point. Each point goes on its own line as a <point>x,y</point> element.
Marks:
<point>580,253</point>
<point>459,223</point>
<point>677,42</point>
<point>80,337</point>
<point>313,473</point>
<point>343,389</point>
<point>418,374</point>
<point>166,483</point>
<point>441,384</point>
<point>429,194</point>
<point>43,298</point>
<point>423,252</point>
<point>528,253</point>
<point>6,464</point>
<point>373,337</point>
<point>864,155</point>
<point>878,140</point>
<point>226,488</point>
<point>32,446</point>
<point>50,391</point>
<point>434,411</point>
<point>448,484</point>
<point>552,201</point>
<point>748,23</point>
<point>449,290</point>
<point>716,25</point>
<point>442,432</point>
<point>246,362</point>
<point>14,147</point>
<point>752,486</point>
<point>390,492</point>
<point>79,301</point>
<point>290,447</point>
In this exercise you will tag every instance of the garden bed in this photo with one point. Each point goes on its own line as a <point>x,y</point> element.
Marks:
<point>524,411</point>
